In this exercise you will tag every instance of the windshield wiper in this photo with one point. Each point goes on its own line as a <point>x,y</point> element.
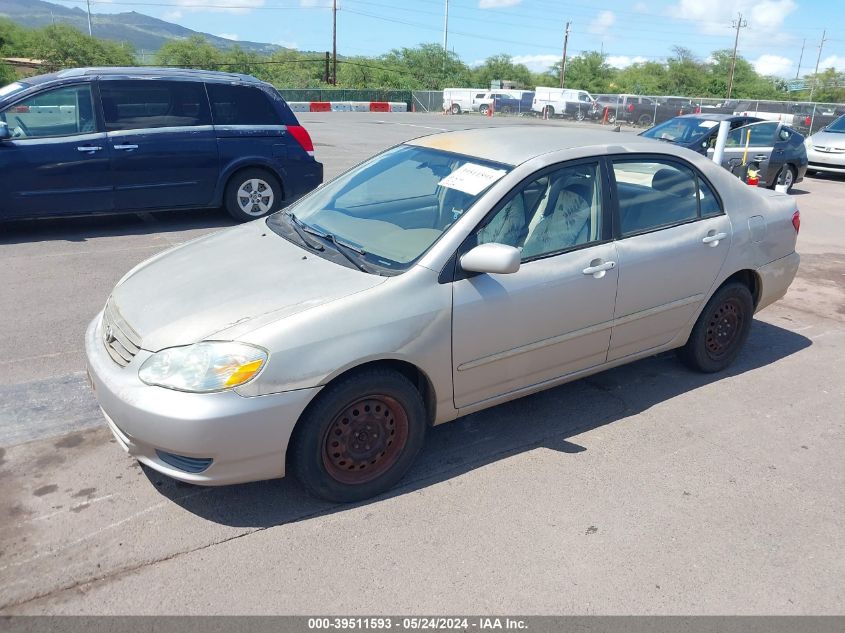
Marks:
<point>300,229</point>
<point>341,247</point>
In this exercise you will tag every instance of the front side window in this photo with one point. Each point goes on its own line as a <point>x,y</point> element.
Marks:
<point>654,194</point>
<point>555,212</point>
<point>59,112</point>
<point>241,105</point>
<point>149,104</point>
<point>396,205</point>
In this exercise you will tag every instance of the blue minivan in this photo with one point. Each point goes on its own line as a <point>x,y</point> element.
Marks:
<point>104,140</point>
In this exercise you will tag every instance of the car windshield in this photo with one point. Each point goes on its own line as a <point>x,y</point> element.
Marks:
<point>682,130</point>
<point>837,126</point>
<point>12,88</point>
<point>392,208</point>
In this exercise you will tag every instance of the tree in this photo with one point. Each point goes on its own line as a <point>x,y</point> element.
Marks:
<point>194,52</point>
<point>588,71</point>
<point>829,86</point>
<point>501,67</point>
<point>7,74</point>
<point>646,78</point>
<point>426,67</point>
<point>685,74</point>
<point>62,46</point>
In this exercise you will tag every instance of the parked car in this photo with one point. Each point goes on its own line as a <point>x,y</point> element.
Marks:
<point>826,149</point>
<point>386,301</point>
<point>101,140</point>
<point>775,148</point>
<point>551,102</point>
<point>629,108</point>
<point>458,100</point>
<point>795,115</point>
<point>506,102</point>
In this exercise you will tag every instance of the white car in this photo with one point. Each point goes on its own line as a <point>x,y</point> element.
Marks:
<point>826,149</point>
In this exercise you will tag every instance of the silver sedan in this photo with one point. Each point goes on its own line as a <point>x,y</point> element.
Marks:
<point>444,276</point>
<point>826,149</point>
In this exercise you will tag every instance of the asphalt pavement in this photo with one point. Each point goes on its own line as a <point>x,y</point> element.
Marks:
<point>647,489</point>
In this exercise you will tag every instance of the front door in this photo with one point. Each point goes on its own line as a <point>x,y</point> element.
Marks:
<point>57,161</point>
<point>164,150</point>
<point>551,317</point>
<point>673,240</point>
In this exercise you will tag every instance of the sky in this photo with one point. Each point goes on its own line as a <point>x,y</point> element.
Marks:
<point>531,31</point>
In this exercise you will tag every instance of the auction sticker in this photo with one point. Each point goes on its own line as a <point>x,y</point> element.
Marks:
<point>472,179</point>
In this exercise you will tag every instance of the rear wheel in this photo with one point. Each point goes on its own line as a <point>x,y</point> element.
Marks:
<point>251,194</point>
<point>359,437</point>
<point>456,109</point>
<point>549,112</point>
<point>580,115</point>
<point>786,176</point>
<point>644,120</point>
<point>721,329</point>
<point>483,109</point>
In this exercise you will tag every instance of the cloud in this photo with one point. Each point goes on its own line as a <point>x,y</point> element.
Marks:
<point>641,7</point>
<point>223,6</point>
<point>623,61</point>
<point>832,61</point>
<point>172,15</point>
<point>497,4</point>
<point>307,4</point>
<point>714,17</point>
<point>602,23</point>
<point>229,36</point>
<point>773,65</point>
<point>536,63</point>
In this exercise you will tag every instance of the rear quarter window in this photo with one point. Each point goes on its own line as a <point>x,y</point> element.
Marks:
<point>242,105</point>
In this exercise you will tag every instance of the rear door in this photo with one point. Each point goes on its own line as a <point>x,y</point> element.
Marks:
<point>164,151</point>
<point>673,237</point>
<point>57,161</point>
<point>761,141</point>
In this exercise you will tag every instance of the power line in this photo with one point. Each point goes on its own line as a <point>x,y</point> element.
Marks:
<point>738,24</point>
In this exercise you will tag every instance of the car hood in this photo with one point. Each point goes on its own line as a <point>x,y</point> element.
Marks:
<point>227,279</point>
<point>828,139</point>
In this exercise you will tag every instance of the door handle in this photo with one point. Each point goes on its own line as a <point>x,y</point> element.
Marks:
<point>126,147</point>
<point>598,269</point>
<point>88,148</point>
<point>713,239</point>
<point>761,157</point>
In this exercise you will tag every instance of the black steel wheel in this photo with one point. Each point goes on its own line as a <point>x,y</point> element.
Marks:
<point>359,437</point>
<point>721,329</point>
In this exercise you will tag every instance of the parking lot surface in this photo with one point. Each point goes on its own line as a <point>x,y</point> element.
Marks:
<point>646,489</point>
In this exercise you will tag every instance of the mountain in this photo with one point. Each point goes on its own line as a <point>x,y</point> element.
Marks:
<point>145,33</point>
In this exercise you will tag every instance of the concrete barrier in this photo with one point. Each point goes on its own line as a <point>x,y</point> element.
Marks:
<point>348,106</point>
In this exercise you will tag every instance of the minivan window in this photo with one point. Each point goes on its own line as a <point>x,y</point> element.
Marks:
<point>133,105</point>
<point>241,105</point>
<point>59,112</point>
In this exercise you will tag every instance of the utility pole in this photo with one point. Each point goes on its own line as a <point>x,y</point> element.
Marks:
<point>800,58</point>
<point>563,59</point>
<point>737,24</point>
<point>334,42</point>
<point>89,18</point>
<point>446,28</point>
<point>818,59</point>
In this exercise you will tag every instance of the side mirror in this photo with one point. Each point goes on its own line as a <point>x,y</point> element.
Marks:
<point>492,258</point>
<point>4,131</point>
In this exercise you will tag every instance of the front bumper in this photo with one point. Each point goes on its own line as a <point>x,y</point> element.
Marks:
<point>831,162</point>
<point>245,437</point>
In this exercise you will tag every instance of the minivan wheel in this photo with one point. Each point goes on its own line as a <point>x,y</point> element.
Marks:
<point>251,194</point>
<point>721,329</point>
<point>359,437</point>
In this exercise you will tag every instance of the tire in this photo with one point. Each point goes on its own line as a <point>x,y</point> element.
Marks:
<point>456,109</point>
<point>550,112</point>
<point>252,193</point>
<point>810,172</point>
<point>329,452</point>
<point>721,329</point>
<point>579,115</point>
<point>611,118</point>
<point>787,174</point>
<point>483,109</point>
<point>507,110</point>
<point>644,120</point>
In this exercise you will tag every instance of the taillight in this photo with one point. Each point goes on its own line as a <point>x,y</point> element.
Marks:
<point>630,107</point>
<point>302,137</point>
<point>796,221</point>
<point>808,121</point>
<point>698,110</point>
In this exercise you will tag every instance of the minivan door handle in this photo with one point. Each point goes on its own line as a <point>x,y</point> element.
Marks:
<point>598,269</point>
<point>126,147</point>
<point>89,148</point>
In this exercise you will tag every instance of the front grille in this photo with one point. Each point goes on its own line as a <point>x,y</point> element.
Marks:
<point>186,464</point>
<point>833,150</point>
<point>121,341</point>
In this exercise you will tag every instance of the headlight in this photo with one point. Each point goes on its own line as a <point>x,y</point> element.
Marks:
<point>203,367</point>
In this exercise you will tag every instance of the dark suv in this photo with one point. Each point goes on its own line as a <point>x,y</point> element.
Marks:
<point>100,140</point>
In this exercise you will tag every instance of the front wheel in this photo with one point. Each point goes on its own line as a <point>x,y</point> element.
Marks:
<point>721,329</point>
<point>580,115</point>
<point>483,109</point>
<point>251,194</point>
<point>644,120</point>
<point>359,437</point>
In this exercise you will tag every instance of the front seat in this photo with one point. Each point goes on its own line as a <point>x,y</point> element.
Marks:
<point>565,223</point>
<point>507,226</point>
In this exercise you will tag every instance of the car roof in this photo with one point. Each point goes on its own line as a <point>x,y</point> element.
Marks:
<point>145,72</point>
<point>514,145</point>
<point>714,116</point>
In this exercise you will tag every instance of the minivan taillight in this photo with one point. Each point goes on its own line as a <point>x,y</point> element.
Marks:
<point>302,137</point>
<point>796,221</point>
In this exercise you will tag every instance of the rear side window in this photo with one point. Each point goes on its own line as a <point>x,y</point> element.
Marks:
<point>133,105</point>
<point>654,193</point>
<point>241,105</point>
<point>762,135</point>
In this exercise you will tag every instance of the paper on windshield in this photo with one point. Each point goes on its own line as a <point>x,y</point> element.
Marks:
<point>708,124</point>
<point>471,178</point>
